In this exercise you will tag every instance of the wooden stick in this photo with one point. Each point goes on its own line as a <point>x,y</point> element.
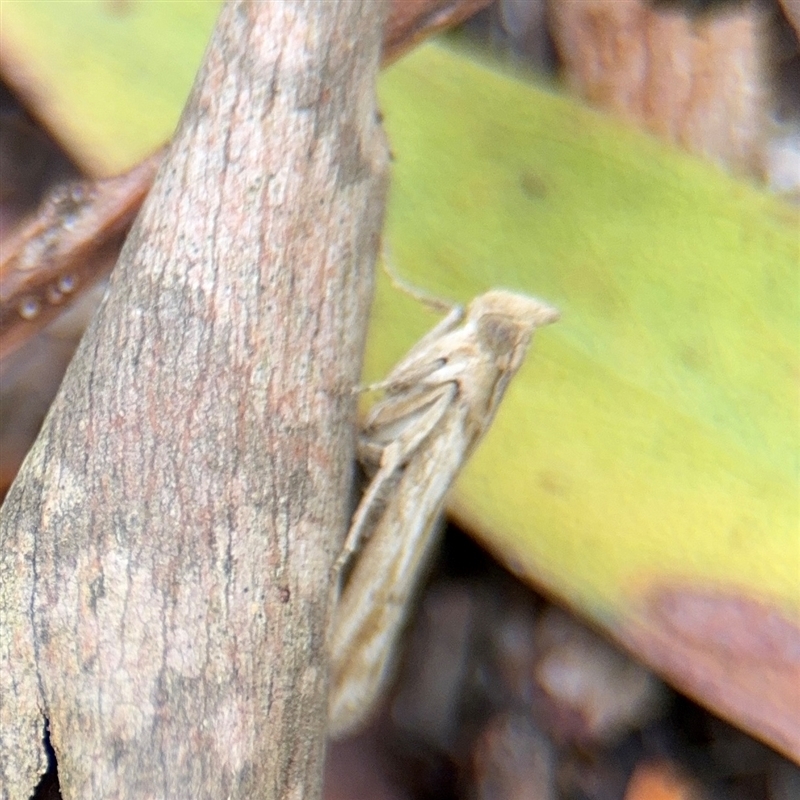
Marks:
<point>165,551</point>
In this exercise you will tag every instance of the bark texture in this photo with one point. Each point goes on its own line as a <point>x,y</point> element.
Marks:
<point>164,552</point>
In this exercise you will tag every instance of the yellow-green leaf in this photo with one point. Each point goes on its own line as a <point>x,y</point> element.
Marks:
<point>644,464</point>
<point>108,77</point>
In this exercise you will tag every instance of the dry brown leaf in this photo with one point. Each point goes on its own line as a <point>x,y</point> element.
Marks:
<point>71,243</point>
<point>513,761</point>
<point>792,10</point>
<point>698,82</point>
<point>660,781</point>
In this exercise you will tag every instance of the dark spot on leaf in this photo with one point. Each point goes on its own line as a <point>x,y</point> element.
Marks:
<point>553,483</point>
<point>532,186</point>
<point>694,358</point>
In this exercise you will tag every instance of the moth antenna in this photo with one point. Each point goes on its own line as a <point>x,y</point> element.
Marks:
<point>430,300</point>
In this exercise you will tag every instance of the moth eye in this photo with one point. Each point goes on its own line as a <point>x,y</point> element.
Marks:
<point>497,335</point>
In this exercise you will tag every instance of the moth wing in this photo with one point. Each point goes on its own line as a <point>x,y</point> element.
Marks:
<point>453,319</point>
<point>419,420</point>
<point>406,415</point>
<point>372,609</point>
<point>425,357</point>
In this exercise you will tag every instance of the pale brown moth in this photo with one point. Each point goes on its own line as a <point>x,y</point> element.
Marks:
<point>438,402</point>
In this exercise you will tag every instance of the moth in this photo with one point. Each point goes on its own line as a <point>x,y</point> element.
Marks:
<point>438,402</point>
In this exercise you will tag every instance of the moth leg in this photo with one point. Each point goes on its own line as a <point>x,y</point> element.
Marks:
<point>376,491</point>
<point>406,419</point>
<point>393,457</point>
<point>417,363</point>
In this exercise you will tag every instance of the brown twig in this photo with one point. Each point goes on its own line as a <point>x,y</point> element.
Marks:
<point>412,21</point>
<point>72,242</point>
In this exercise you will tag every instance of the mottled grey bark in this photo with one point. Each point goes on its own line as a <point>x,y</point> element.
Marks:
<point>164,552</point>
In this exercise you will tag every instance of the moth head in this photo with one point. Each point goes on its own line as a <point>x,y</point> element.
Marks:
<point>505,322</point>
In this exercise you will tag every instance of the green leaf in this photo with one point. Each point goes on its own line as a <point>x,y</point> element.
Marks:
<point>660,416</point>
<point>650,444</point>
<point>108,78</point>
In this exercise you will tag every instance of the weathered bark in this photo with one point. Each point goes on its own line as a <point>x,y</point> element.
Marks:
<point>164,552</point>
